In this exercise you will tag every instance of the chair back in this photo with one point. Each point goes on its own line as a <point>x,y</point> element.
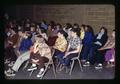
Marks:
<point>81,46</point>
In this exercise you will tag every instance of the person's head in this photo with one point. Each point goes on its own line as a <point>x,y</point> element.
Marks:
<point>103,30</point>
<point>58,26</point>
<point>75,25</point>
<point>82,27</point>
<point>19,32</point>
<point>49,26</point>
<point>61,33</point>
<point>74,32</point>
<point>39,39</point>
<point>113,33</point>
<point>29,35</point>
<point>32,28</point>
<point>24,34</point>
<point>43,22</point>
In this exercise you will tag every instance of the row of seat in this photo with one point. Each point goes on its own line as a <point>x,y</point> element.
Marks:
<point>53,65</point>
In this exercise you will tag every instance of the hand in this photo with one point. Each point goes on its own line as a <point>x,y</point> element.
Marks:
<point>10,42</point>
<point>14,46</point>
<point>18,52</point>
<point>35,60</point>
<point>64,57</point>
<point>100,49</point>
<point>66,54</point>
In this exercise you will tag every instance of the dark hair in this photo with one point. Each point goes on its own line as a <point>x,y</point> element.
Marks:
<point>44,21</point>
<point>83,25</point>
<point>75,31</point>
<point>39,36</point>
<point>75,24</point>
<point>104,30</point>
<point>43,30</point>
<point>58,24</point>
<point>90,29</point>
<point>29,35</point>
<point>68,25</point>
<point>114,30</point>
<point>63,33</point>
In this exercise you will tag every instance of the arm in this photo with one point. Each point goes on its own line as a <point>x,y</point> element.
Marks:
<point>104,45</point>
<point>75,51</point>
<point>35,48</point>
<point>109,47</point>
<point>68,48</point>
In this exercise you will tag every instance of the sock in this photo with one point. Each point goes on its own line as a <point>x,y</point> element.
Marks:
<point>42,69</point>
<point>34,65</point>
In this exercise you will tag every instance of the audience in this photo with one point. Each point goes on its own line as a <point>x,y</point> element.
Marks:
<point>28,40</point>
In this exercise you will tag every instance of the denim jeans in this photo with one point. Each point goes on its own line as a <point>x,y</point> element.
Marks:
<point>20,60</point>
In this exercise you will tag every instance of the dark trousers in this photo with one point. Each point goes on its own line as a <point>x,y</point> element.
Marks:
<point>93,53</point>
<point>51,40</point>
<point>59,55</point>
<point>42,60</point>
<point>100,56</point>
<point>69,57</point>
<point>85,52</point>
<point>10,54</point>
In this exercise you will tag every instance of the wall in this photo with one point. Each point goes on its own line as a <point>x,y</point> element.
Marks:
<point>94,15</point>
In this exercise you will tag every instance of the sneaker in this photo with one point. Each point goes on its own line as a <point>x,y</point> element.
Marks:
<point>32,68</point>
<point>99,66</point>
<point>9,73</point>
<point>40,74</point>
<point>61,67</point>
<point>83,61</point>
<point>110,65</point>
<point>7,61</point>
<point>9,70</point>
<point>11,64</point>
<point>86,64</point>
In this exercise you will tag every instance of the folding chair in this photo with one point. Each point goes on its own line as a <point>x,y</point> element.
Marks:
<point>76,58</point>
<point>26,64</point>
<point>46,67</point>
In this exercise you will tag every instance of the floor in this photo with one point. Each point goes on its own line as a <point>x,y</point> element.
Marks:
<point>88,73</point>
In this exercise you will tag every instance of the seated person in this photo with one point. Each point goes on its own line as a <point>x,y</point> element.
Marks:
<point>110,50</point>
<point>41,54</point>
<point>22,58</point>
<point>73,47</point>
<point>87,45</point>
<point>60,45</point>
<point>10,44</point>
<point>52,37</point>
<point>99,41</point>
<point>26,43</point>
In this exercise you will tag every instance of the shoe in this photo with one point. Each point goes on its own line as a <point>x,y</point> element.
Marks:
<point>99,66</point>
<point>86,64</point>
<point>9,70</point>
<point>32,68</point>
<point>39,74</point>
<point>11,64</point>
<point>83,61</point>
<point>9,73</point>
<point>61,67</point>
<point>110,65</point>
<point>7,61</point>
